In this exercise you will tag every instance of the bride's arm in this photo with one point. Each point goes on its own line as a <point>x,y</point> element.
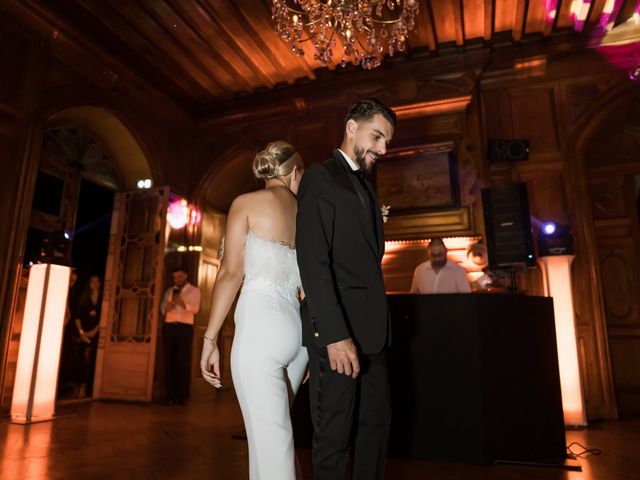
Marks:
<point>226,287</point>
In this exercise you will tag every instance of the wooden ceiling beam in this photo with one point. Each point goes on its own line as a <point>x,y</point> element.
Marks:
<point>228,31</point>
<point>216,47</point>
<point>425,21</point>
<point>183,65</point>
<point>549,27</point>
<point>520,19</point>
<point>161,27</point>
<point>597,6</point>
<point>262,26</point>
<point>489,19</point>
<point>458,19</point>
<point>120,27</point>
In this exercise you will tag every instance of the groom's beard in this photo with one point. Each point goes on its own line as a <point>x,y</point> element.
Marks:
<point>360,154</point>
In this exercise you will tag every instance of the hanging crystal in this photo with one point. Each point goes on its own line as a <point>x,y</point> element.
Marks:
<point>367,29</point>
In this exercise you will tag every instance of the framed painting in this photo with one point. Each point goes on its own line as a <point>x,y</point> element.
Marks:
<point>418,179</point>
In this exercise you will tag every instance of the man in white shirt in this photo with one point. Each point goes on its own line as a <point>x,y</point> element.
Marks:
<point>179,307</point>
<point>439,275</point>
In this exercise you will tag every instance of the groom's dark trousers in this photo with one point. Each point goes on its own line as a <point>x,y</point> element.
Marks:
<point>340,245</point>
<point>340,406</point>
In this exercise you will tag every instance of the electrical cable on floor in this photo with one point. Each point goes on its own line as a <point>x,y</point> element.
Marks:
<point>585,451</point>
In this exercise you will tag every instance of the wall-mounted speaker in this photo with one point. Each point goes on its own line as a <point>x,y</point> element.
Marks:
<point>508,226</point>
<point>499,151</point>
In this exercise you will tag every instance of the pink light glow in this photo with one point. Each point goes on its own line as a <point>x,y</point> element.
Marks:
<point>551,9</point>
<point>609,13</point>
<point>579,13</point>
<point>180,213</point>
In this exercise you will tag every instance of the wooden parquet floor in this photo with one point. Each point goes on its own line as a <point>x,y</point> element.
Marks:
<point>109,440</point>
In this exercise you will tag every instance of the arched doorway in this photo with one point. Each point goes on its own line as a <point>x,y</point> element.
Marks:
<point>87,156</point>
<point>229,177</point>
<point>607,151</point>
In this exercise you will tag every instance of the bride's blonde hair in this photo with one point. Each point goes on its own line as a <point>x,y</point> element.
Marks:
<point>278,159</point>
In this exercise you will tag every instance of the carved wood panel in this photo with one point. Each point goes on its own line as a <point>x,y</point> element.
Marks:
<point>17,52</point>
<point>315,140</point>
<point>620,282</point>
<point>533,113</point>
<point>609,198</point>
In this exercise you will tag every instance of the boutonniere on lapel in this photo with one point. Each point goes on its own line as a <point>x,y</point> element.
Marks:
<point>384,209</point>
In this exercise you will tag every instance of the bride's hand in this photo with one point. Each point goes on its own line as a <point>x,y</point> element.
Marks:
<point>210,363</point>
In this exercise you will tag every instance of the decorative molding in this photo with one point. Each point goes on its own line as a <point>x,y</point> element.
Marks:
<point>419,226</point>
<point>434,107</point>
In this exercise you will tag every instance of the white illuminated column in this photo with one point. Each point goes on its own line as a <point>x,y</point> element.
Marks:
<point>34,392</point>
<point>556,273</point>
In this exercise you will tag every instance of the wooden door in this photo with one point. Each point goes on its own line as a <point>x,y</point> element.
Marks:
<point>132,294</point>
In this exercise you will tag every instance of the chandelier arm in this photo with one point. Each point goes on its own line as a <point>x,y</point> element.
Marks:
<point>302,12</point>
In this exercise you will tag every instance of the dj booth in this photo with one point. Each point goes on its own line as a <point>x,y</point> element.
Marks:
<point>474,378</point>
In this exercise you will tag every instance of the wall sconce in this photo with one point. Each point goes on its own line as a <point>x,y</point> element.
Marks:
<point>34,392</point>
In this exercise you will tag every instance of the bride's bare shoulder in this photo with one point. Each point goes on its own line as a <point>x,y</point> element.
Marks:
<point>248,200</point>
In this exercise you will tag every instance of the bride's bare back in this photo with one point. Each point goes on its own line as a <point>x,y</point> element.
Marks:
<point>269,213</point>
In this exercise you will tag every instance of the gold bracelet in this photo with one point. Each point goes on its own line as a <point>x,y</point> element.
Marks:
<point>212,340</point>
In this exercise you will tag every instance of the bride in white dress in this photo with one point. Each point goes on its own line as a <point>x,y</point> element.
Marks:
<point>268,361</point>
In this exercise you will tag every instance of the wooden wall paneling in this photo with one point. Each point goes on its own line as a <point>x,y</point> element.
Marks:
<point>313,140</point>
<point>626,371</point>
<point>18,50</point>
<point>210,239</point>
<point>614,207</point>
<point>608,197</point>
<point>19,92</point>
<point>591,312</point>
<point>534,118</point>
<point>619,267</point>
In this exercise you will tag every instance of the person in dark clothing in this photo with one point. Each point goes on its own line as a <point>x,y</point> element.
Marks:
<point>87,323</point>
<point>68,352</point>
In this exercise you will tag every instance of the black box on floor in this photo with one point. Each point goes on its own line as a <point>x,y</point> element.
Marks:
<point>474,378</point>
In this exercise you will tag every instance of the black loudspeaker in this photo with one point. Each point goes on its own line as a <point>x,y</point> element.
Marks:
<point>508,226</point>
<point>499,151</point>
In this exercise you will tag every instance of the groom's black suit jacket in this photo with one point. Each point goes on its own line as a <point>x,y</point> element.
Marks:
<point>340,244</point>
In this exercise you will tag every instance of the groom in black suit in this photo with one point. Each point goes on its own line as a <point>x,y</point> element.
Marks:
<point>345,319</point>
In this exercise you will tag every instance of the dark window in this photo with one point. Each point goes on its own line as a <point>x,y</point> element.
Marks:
<point>47,197</point>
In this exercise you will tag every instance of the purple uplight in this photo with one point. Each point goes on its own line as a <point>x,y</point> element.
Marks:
<point>549,228</point>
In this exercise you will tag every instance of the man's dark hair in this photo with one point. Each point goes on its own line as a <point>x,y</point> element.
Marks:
<point>437,241</point>
<point>179,269</point>
<point>364,110</point>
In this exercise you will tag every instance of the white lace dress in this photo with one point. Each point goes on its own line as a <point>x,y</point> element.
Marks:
<point>267,357</point>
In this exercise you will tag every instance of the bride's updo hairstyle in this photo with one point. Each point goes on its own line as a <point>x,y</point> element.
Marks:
<point>278,159</point>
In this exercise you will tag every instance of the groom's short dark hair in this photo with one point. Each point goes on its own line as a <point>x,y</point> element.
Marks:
<point>366,109</point>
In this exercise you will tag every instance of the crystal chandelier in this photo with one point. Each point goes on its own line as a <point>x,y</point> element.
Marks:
<point>368,29</point>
